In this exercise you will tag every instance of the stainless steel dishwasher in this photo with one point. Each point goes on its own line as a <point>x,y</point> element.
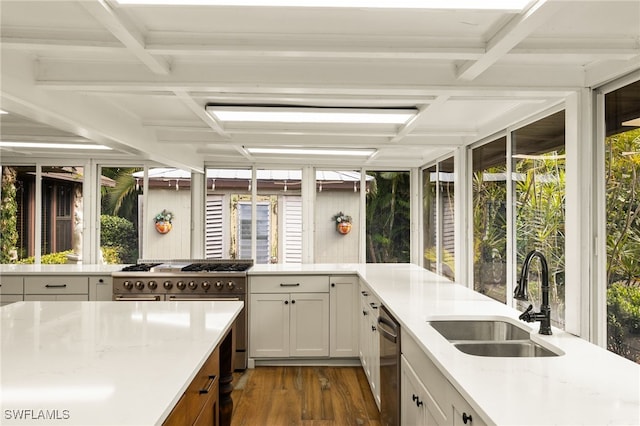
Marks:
<point>389,331</point>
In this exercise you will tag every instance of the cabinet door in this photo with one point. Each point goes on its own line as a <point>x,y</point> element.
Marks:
<point>344,304</point>
<point>309,325</point>
<point>364,338</point>
<point>414,398</point>
<point>462,413</point>
<point>374,357</point>
<point>411,412</point>
<point>100,288</point>
<point>269,325</point>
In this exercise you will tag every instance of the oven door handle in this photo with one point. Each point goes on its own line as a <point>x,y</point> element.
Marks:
<point>203,299</point>
<point>137,299</point>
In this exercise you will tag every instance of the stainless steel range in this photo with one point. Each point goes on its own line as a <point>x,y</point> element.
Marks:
<point>184,280</point>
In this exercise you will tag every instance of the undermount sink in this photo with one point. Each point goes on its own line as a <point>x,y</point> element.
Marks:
<point>479,330</point>
<point>505,349</point>
<point>490,338</point>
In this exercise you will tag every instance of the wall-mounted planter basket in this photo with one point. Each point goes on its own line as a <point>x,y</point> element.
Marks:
<point>344,227</point>
<point>343,223</point>
<point>163,227</point>
<point>163,221</point>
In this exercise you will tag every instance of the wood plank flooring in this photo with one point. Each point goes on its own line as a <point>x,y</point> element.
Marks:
<point>308,396</point>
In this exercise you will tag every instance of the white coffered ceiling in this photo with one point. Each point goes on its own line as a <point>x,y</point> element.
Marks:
<point>137,78</point>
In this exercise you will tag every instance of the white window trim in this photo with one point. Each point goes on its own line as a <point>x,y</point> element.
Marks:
<point>597,291</point>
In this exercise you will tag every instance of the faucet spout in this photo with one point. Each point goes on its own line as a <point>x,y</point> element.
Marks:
<point>520,293</point>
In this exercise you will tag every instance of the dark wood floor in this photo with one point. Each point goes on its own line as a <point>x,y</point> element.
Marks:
<point>318,396</point>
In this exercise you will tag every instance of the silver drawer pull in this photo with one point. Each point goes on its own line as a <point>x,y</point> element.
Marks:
<point>289,285</point>
<point>55,285</point>
<point>137,299</point>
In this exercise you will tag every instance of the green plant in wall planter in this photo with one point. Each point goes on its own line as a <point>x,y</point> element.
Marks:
<point>163,221</point>
<point>343,222</point>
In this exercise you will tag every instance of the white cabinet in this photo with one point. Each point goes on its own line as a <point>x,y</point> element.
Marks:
<point>369,339</point>
<point>269,325</point>
<point>100,288</point>
<point>427,397</point>
<point>413,409</point>
<point>56,287</point>
<point>343,316</point>
<point>285,321</point>
<point>11,289</point>
<point>309,329</point>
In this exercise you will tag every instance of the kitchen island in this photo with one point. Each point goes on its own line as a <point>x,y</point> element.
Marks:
<point>104,363</point>
<point>586,384</point>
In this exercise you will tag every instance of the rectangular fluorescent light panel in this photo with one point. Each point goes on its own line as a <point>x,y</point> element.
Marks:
<point>511,5</point>
<point>312,151</point>
<point>311,115</point>
<point>52,145</point>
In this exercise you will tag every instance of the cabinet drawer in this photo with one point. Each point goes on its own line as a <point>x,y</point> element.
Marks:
<point>5,299</point>
<point>56,297</point>
<point>11,285</point>
<point>289,284</point>
<point>202,390</point>
<point>56,285</point>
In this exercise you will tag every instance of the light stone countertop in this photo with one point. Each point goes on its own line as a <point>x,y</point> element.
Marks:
<point>56,269</point>
<point>586,385</point>
<point>104,363</point>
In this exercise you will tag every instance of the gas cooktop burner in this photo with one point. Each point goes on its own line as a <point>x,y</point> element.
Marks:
<point>177,266</point>
<point>216,267</point>
<point>139,267</point>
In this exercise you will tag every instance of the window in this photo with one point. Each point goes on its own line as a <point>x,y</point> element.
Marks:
<point>228,219</point>
<point>490,219</point>
<point>120,214</point>
<point>622,192</point>
<point>438,218</point>
<point>17,232</point>
<point>538,164</point>
<point>430,219</point>
<point>388,237</point>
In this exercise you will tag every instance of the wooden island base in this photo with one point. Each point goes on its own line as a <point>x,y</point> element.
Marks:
<point>207,400</point>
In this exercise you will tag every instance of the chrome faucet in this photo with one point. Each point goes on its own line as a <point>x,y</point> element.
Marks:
<point>520,293</point>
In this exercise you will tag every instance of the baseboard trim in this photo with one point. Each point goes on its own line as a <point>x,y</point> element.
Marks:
<point>304,362</point>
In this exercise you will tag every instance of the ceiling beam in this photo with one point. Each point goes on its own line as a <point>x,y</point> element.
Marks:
<point>199,111</point>
<point>410,125</point>
<point>85,116</point>
<point>126,33</point>
<point>509,37</point>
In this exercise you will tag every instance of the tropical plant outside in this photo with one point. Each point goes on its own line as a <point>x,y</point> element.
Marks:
<point>622,163</point>
<point>119,238</point>
<point>540,223</point>
<point>388,221</point>
<point>8,216</point>
<point>490,232</point>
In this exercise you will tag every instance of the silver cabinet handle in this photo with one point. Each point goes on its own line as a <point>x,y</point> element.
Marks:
<point>137,299</point>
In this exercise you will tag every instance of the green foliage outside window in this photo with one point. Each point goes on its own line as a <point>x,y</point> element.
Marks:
<point>8,216</point>
<point>119,235</point>
<point>622,163</point>
<point>388,220</point>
